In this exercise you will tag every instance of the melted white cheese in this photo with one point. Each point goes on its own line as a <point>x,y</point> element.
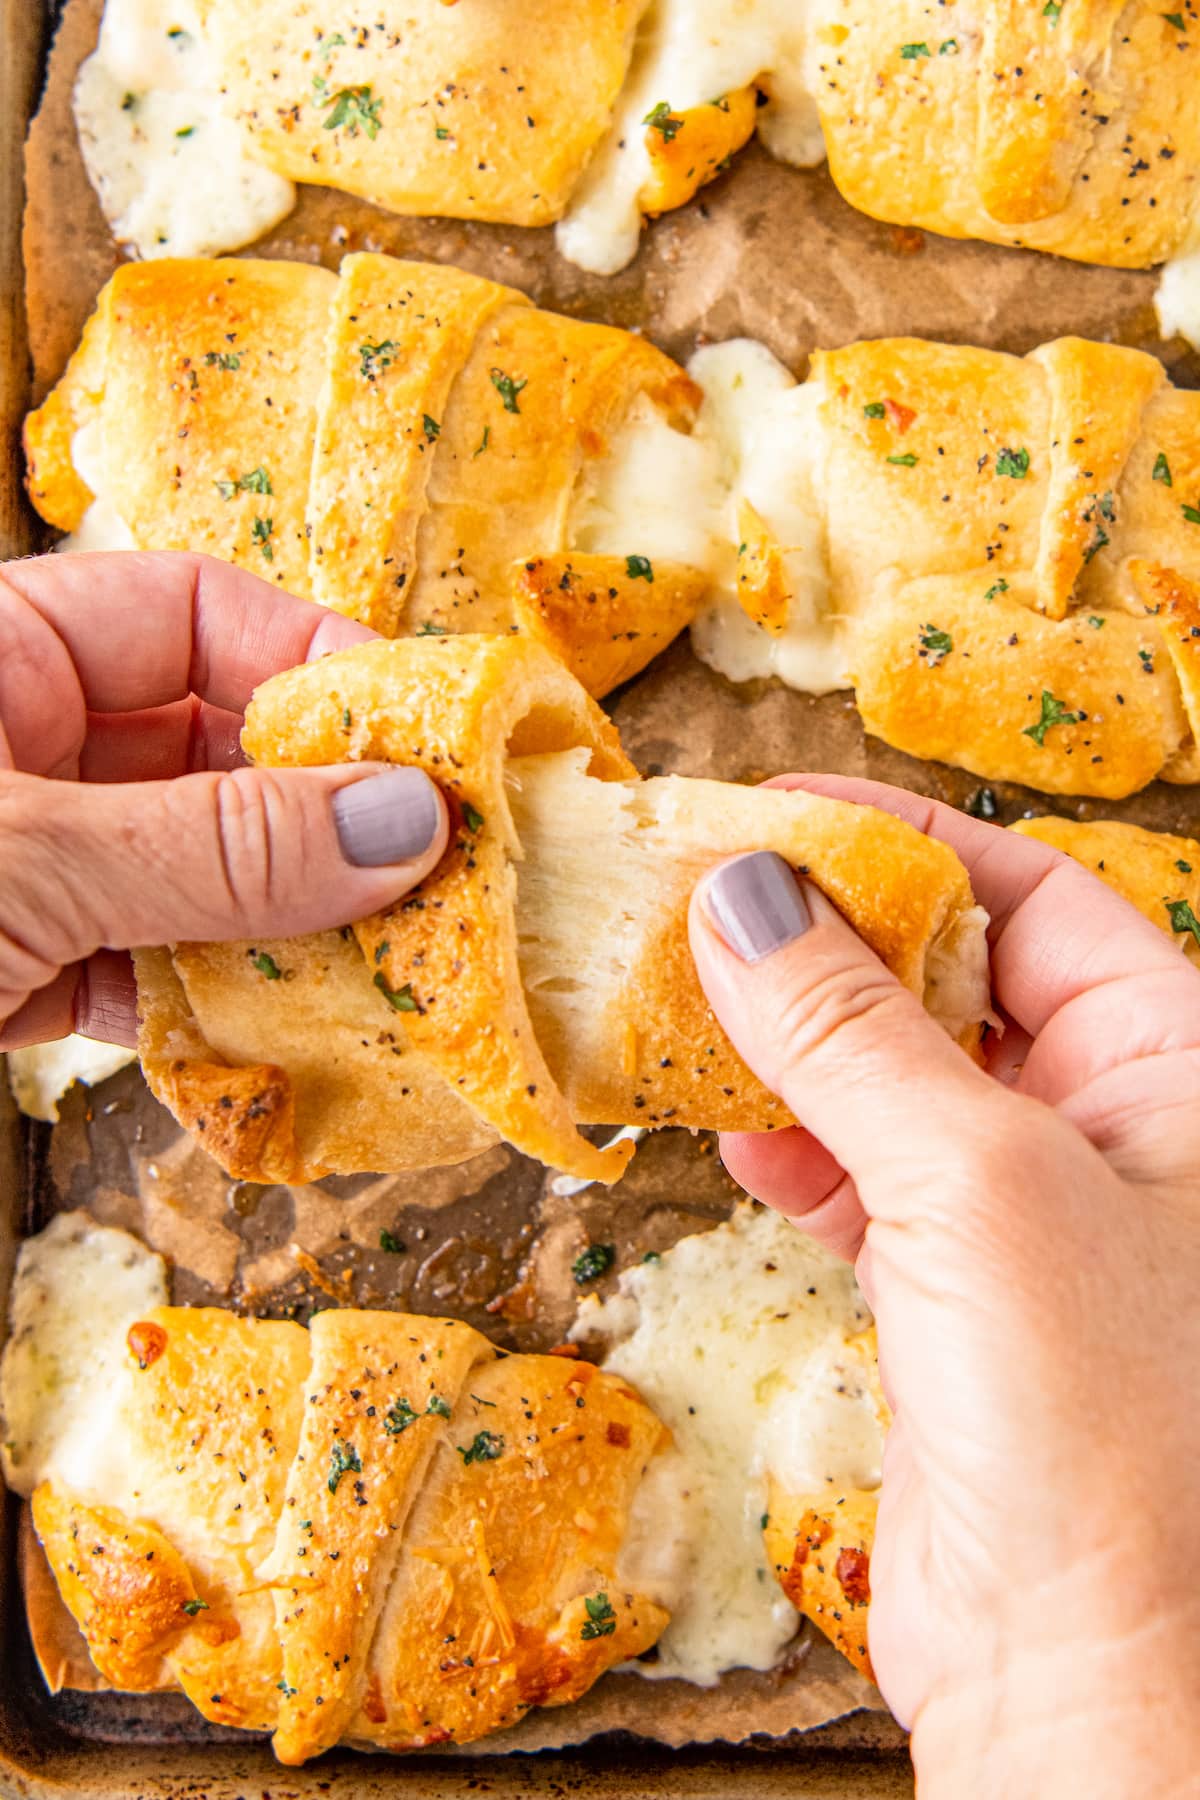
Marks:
<point>738,1339</point>
<point>102,527</point>
<point>1178,299</point>
<point>689,52</point>
<point>172,171</point>
<point>662,493</point>
<point>78,1288</point>
<point>40,1075</point>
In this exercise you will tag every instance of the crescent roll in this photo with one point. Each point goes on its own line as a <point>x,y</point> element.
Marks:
<point>401,442</point>
<point>376,1531</point>
<point>541,978</point>
<point>1157,872</point>
<point>1005,549</point>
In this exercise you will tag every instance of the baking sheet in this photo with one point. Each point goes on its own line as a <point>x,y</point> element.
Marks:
<point>767,252</point>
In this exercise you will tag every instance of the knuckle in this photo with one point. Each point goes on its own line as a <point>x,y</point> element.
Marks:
<point>827,1014</point>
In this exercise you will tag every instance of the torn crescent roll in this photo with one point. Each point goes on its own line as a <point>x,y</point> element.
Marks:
<point>1007,549</point>
<point>541,978</point>
<point>376,1531</point>
<point>401,442</point>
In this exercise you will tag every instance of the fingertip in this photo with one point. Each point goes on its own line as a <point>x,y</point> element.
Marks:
<point>391,817</point>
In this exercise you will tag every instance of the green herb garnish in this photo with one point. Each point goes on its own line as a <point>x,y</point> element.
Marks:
<point>1177,20</point>
<point>639,568</point>
<point>399,999</point>
<point>472,818</point>
<point>431,428</point>
<point>391,1243</point>
<point>998,587</point>
<point>1102,508</point>
<point>266,965</point>
<point>982,804</point>
<point>354,108</point>
<point>256,482</point>
<point>185,131</point>
<point>483,442</point>
<point>289,1693</point>
<point>398,1418</point>
<point>343,1459</point>
<point>1191,514</point>
<point>1162,470</point>
<point>593,1262</point>
<point>601,1619</point>
<point>222,359</point>
<point>1185,868</point>
<point>441,1408</point>
<point>1182,918</point>
<point>427,628</point>
<point>192,1607</point>
<point>375,358</point>
<point>260,534</point>
<point>508,388</point>
<point>485,1446</point>
<point>1014,463</point>
<point>875,409</point>
<point>910,52</point>
<point>1054,712</point>
<point>937,643</point>
<point>660,118</point>
<point>907,461</point>
<point>948,47</point>
<point>1052,10</point>
<point>1095,621</point>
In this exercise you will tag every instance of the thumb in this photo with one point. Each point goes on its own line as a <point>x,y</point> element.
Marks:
<point>251,852</point>
<point>825,1025</point>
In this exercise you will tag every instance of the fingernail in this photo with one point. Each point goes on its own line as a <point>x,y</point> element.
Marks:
<point>757,905</point>
<point>389,818</point>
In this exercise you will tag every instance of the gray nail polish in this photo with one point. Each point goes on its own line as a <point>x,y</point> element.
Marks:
<point>389,818</point>
<point>757,905</point>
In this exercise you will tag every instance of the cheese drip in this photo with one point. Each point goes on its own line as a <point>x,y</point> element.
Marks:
<point>741,1341</point>
<point>689,53</point>
<point>1178,299</point>
<point>171,169</point>
<point>759,438</point>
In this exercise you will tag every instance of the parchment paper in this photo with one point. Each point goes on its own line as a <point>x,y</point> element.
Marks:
<point>767,252</point>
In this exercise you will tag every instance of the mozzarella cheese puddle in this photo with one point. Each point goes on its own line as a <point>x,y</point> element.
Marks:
<point>1178,298</point>
<point>759,437</point>
<point>738,1338</point>
<point>40,1075</point>
<point>78,1288</point>
<point>171,169</point>
<point>690,53</point>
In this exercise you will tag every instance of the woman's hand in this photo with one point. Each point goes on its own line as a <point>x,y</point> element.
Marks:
<point>124,816</point>
<point>1029,1238</point>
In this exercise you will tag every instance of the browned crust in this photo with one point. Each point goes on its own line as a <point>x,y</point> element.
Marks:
<point>597,618</point>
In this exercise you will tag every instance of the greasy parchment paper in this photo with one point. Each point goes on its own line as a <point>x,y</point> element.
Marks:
<point>767,252</point>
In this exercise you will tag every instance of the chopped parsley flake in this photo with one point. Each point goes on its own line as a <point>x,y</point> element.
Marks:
<point>601,1619</point>
<point>1014,463</point>
<point>343,1459</point>
<point>328,45</point>
<point>398,1418</point>
<point>652,1256</point>
<point>1054,712</point>
<point>288,1692</point>
<point>1102,508</point>
<point>874,409</point>
<point>948,47</point>
<point>907,461</point>
<point>937,643</point>
<point>910,52</point>
<point>347,718</point>
<point>266,965</point>
<point>483,442</point>
<point>1185,868</point>
<point>375,358</point>
<point>1052,10</point>
<point>192,1607</point>
<point>639,568</point>
<point>982,804</point>
<point>399,999</point>
<point>354,108</point>
<point>222,359</point>
<point>185,131</point>
<point>256,482</point>
<point>391,1243</point>
<point>1177,20</point>
<point>1162,470</point>
<point>508,388</point>
<point>1095,621</point>
<point>485,1446</point>
<point>427,628</point>
<point>1182,918</point>
<point>660,118</point>
<point>431,428</point>
<point>1147,660</point>
<point>441,131</point>
<point>998,587</point>
<point>1191,514</point>
<point>260,534</point>
<point>472,818</point>
<point>129,102</point>
<point>441,1408</point>
<point>593,1262</point>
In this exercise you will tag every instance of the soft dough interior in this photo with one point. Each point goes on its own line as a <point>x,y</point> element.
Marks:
<point>604,864</point>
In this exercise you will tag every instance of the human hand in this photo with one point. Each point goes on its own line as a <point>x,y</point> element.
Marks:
<point>1028,1236</point>
<point>124,816</point>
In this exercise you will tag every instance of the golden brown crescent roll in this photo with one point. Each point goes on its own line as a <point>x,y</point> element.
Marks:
<point>1011,547</point>
<point>819,1546</point>
<point>401,441</point>
<point>1071,127</point>
<point>541,978</point>
<point>1158,873</point>
<point>371,1532</point>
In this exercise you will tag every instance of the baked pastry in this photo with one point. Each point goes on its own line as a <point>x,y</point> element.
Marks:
<point>1001,553</point>
<point>1157,872</point>
<point>541,978</point>
<point>1068,128</point>
<point>401,442</point>
<point>377,1531</point>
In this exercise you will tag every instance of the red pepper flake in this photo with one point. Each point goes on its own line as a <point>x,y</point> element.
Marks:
<point>853,1571</point>
<point>147,1342</point>
<point>901,417</point>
